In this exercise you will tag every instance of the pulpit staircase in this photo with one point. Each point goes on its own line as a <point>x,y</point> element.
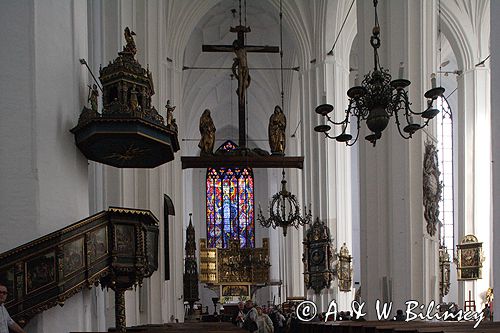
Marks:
<point>117,248</point>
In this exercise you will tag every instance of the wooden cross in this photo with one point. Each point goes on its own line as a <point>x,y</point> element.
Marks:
<point>240,70</point>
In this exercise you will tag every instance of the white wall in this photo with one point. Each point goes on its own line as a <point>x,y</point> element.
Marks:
<point>44,183</point>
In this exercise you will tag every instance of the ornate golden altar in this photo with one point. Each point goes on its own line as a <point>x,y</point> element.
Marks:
<point>236,271</point>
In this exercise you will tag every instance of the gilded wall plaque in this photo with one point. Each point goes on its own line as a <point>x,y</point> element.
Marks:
<point>318,257</point>
<point>444,275</point>
<point>344,269</point>
<point>469,259</point>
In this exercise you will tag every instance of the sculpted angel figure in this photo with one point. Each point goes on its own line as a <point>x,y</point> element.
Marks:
<point>92,98</point>
<point>207,131</point>
<point>134,102</point>
<point>130,47</point>
<point>170,114</point>
<point>276,131</point>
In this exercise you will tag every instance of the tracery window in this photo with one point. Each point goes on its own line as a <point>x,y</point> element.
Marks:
<point>445,147</point>
<point>230,205</point>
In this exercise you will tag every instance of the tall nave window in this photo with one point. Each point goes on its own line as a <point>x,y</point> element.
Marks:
<point>445,157</point>
<point>230,205</point>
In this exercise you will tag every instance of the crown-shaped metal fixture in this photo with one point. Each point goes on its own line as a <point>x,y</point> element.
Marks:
<point>377,99</point>
<point>284,211</point>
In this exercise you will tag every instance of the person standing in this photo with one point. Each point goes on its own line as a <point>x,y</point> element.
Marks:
<point>250,322</point>
<point>239,315</point>
<point>6,322</point>
<point>264,323</point>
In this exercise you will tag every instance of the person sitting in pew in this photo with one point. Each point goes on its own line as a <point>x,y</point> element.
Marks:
<point>400,315</point>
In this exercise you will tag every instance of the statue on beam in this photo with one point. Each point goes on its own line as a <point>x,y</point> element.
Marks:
<point>207,131</point>
<point>276,131</point>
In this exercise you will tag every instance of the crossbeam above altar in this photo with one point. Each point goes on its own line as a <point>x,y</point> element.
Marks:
<point>271,161</point>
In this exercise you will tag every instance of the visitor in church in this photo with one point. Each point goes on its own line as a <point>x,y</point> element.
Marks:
<point>250,322</point>
<point>264,323</point>
<point>487,312</point>
<point>6,323</point>
<point>278,320</point>
<point>239,315</point>
<point>400,315</point>
<point>347,315</point>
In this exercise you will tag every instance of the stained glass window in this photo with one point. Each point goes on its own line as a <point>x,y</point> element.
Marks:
<point>230,205</point>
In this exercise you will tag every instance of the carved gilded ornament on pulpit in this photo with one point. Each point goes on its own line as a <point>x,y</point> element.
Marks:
<point>432,188</point>
<point>469,259</point>
<point>318,257</point>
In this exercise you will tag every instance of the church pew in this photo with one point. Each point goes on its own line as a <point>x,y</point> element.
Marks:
<point>390,326</point>
<point>484,327</point>
<point>219,327</point>
<point>396,327</point>
<point>426,327</point>
<point>182,327</point>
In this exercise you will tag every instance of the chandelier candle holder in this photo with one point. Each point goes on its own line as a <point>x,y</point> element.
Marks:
<point>377,99</point>
<point>284,211</point>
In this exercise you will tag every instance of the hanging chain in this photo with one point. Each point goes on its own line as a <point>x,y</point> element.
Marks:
<point>440,42</point>
<point>281,56</point>
<point>375,38</point>
<point>239,2</point>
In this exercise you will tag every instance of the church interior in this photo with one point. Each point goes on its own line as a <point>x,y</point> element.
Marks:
<point>164,160</point>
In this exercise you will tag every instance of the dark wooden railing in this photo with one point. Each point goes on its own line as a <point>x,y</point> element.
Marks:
<point>117,248</point>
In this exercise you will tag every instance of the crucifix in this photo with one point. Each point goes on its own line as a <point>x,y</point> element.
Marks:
<point>240,70</point>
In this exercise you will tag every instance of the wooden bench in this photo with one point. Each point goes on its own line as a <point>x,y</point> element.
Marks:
<point>398,327</point>
<point>184,327</point>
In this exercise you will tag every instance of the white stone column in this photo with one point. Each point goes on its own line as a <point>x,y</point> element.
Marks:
<point>474,171</point>
<point>495,140</point>
<point>338,177</point>
<point>175,187</point>
<point>397,255</point>
<point>326,175</point>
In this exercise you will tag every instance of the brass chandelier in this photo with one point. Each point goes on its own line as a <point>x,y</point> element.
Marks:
<point>284,211</point>
<point>377,99</point>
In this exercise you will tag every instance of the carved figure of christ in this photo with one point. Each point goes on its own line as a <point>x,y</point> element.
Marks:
<point>240,70</point>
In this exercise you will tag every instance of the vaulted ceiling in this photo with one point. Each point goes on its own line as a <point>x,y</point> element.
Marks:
<point>214,89</point>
